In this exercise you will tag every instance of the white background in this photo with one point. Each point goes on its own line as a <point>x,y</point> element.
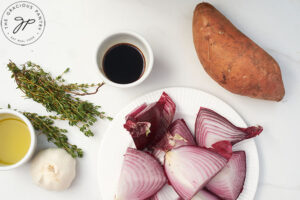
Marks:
<point>74,29</point>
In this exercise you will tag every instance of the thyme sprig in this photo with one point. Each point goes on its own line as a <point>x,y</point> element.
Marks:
<point>57,96</point>
<point>45,125</point>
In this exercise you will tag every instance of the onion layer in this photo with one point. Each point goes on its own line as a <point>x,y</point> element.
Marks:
<point>204,195</point>
<point>211,128</point>
<point>141,177</point>
<point>166,193</point>
<point>147,124</point>
<point>189,168</point>
<point>228,183</point>
<point>181,135</point>
<point>178,135</point>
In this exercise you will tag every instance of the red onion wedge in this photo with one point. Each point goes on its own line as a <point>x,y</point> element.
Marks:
<point>166,193</point>
<point>189,168</point>
<point>136,111</point>
<point>147,124</point>
<point>228,183</point>
<point>181,135</point>
<point>211,128</point>
<point>205,195</point>
<point>178,135</point>
<point>141,177</point>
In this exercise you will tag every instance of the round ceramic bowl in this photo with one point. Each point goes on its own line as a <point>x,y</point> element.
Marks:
<point>131,38</point>
<point>4,113</point>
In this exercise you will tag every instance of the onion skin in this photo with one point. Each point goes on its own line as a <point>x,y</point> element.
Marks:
<point>211,128</point>
<point>141,177</point>
<point>228,183</point>
<point>136,111</point>
<point>224,148</point>
<point>147,124</point>
<point>189,168</point>
<point>169,109</point>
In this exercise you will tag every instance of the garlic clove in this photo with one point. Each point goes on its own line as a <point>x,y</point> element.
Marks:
<point>53,169</point>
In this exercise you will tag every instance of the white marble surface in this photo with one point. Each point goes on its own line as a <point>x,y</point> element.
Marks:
<point>75,28</point>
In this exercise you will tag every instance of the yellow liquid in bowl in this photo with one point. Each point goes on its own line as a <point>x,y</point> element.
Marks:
<point>14,140</point>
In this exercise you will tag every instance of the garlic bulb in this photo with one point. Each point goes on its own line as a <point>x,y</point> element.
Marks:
<point>53,169</point>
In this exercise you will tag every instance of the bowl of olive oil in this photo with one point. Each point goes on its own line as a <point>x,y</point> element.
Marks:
<point>17,139</point>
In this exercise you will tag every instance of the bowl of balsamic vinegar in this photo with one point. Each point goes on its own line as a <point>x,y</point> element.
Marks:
<point>124,59</point>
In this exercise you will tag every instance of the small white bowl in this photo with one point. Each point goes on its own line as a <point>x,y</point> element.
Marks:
<point>32,146</point>
<point>131,38</point>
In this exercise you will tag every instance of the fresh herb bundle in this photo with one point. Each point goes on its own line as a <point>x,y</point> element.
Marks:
<point>57,96</point>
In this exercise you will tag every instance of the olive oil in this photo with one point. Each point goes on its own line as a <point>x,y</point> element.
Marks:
<point>14,140</point>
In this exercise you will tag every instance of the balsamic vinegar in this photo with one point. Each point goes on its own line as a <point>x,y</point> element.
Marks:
<point>123,63</point>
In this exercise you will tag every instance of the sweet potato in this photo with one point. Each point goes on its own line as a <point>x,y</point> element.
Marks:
<point>232,59</point>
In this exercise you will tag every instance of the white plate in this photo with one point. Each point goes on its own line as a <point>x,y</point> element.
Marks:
<point>188,101</point>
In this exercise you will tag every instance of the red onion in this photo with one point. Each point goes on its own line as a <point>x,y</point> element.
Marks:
<point>211,128</point>
<point>224,148</point>
<point>169,108</point>
<point>147,124</point>
<point>204,195</point>
<point>228,183</point>
<point>181,135</point>
<point>178,135</point>
<point>189,168</point>
<point>166,193</point>
<point>136,111</point>
<point>141,177</point>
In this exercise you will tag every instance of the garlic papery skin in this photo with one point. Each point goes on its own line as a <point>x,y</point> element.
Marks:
<point>53,169</point>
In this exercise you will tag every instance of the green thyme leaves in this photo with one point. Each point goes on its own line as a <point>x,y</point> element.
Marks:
<point>57,96</point>
<point>45,125</point>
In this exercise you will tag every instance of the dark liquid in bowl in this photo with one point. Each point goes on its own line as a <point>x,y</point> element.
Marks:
<point>123,63</point>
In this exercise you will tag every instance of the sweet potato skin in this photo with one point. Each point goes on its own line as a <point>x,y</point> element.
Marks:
<point>232,59</point>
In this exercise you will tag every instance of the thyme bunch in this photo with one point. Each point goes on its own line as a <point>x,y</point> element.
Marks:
<point>57,96</point>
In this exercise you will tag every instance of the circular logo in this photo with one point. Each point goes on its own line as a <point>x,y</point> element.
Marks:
<point>23,23</point>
